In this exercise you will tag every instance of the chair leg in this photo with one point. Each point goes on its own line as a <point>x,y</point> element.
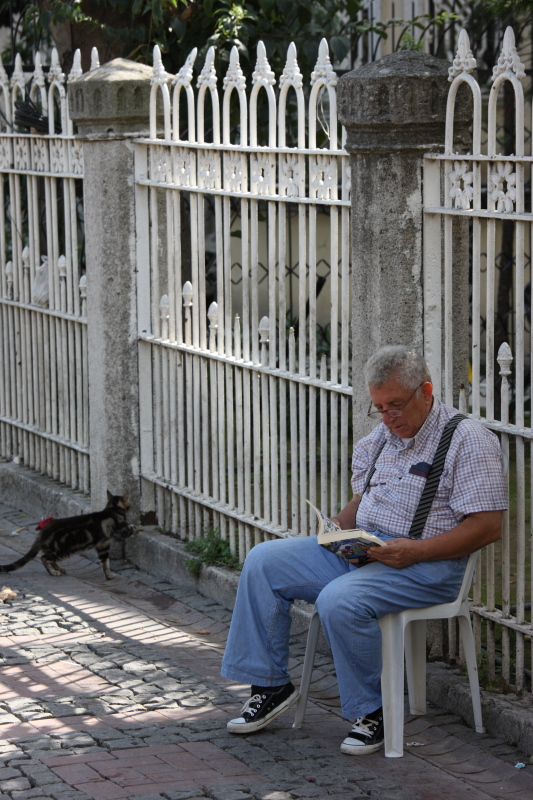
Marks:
<point>467,637</point>
<point>392,634</point>
<point>309,660</point>
<point>415,664</point>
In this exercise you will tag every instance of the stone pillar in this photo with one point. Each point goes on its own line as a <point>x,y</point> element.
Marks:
<point>110,106</point>
<point>394,112</point>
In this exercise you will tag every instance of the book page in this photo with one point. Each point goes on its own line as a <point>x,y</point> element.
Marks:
<point>325,524</point>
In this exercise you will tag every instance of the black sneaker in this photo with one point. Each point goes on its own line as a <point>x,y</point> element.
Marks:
<point>366,735</point>
<point>262,708</point>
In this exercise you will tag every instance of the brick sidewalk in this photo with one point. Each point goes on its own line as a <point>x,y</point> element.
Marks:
<point>112,690</point>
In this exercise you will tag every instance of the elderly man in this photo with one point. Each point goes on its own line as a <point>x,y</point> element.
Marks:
<point>465,515</point>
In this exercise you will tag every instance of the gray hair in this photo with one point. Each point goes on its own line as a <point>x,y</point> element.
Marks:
<point>400,362</point>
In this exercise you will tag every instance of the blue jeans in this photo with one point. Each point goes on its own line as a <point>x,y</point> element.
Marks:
<point>350,601</point>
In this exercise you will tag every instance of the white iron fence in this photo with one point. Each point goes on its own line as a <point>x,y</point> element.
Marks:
<point>488,189</point>
<point>43,353</point>
<point>242,416</point>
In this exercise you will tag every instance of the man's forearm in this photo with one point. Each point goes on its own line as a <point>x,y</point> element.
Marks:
<point>345,519</point>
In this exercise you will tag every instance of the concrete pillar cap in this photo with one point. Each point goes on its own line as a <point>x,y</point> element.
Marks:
<point>396,103</point>
<point>114,98</point>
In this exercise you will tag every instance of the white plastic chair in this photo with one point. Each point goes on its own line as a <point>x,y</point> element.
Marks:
<point>406,631</point>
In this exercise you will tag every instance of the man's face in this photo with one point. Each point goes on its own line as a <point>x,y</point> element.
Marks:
<point>392,395</point>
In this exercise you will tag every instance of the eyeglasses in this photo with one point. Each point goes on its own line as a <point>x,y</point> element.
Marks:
<point>392,412</point>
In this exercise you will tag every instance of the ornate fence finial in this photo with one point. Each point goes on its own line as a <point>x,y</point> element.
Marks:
<point>76,71</point>
<point>505,358</point>
<point>291,72</point>
<point>158,75</point>
<point>264,330</point>
<point>185,75</point>
<point>208,74</point>
<point>26,258</point>
<point>55,74</point>
<point>38,74</point>
<point>187,294</point>
<point>17,77</point>
<point>95,59</point>
<point>83,288</point>
<point>464,61</point>
<point>212,316</point>
<point>234,76</point>
<point>62,267</point>
<point>262,71</point>
<point>509,60</point>
<point>323,70</point>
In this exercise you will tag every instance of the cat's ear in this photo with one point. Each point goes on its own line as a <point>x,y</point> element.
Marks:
<point>109,495</point>
<point>126,497</point>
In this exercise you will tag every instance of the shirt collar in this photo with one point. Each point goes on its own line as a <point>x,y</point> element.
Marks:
<point>419,438</point>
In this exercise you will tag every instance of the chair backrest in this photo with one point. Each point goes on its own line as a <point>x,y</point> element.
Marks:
<point>468,577</point>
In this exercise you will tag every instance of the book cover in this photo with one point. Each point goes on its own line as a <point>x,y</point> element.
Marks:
<point>348,544</point>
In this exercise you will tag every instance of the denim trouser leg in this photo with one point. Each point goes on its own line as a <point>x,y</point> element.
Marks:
<point>349,600</point>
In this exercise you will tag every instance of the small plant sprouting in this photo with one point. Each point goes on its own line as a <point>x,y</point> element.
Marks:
<point>211,551</point>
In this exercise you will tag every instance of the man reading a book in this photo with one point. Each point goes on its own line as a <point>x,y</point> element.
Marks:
<point>390,468</point>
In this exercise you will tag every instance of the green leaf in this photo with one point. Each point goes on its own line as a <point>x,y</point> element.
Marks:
<point>353,7</point>
<point>179,26</point>
<point>157,10</point>
<point>340,46</point>
<point>286,6</point>
<point>310,49</point>
<point>136,7</point>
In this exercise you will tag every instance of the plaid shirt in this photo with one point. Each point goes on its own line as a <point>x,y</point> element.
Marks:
<point>472,479</point>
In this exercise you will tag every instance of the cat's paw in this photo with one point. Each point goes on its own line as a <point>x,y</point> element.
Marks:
<point>110,576</point>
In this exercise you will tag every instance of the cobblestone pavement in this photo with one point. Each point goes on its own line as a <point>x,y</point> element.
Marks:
<point>111,689</point>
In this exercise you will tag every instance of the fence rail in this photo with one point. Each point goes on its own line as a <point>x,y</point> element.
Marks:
<point>44,413</point>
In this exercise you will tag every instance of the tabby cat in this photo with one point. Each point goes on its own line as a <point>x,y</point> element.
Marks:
<point>61,538</point>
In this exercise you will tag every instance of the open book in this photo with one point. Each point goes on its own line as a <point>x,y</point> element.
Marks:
<point>345,544</point>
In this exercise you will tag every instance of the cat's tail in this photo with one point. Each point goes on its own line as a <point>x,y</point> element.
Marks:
<point>23,560</point>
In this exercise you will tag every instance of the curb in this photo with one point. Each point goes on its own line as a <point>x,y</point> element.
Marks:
<point>38,495</point>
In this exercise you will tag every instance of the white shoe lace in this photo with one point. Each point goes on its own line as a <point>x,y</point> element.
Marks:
<point>248,706</point>
<point>364,726</point>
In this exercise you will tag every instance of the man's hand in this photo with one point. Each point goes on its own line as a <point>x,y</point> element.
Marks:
<point>397,553</point>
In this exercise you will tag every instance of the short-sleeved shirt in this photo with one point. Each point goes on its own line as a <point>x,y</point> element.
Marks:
<point>472,479</point>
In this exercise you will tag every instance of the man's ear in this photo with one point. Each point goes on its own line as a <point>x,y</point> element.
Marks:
<point>427,388</point>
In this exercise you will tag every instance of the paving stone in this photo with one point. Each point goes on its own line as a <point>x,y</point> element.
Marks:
<point>148,796</point>
<point>16,784</point>
<point>8,772</point>
<point>188,795</point>
<point>230,793</point>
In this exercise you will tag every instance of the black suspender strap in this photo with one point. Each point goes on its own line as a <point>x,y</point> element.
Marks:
<point>433,477</point>
<point>370,473</point>
<point>372,468</point>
